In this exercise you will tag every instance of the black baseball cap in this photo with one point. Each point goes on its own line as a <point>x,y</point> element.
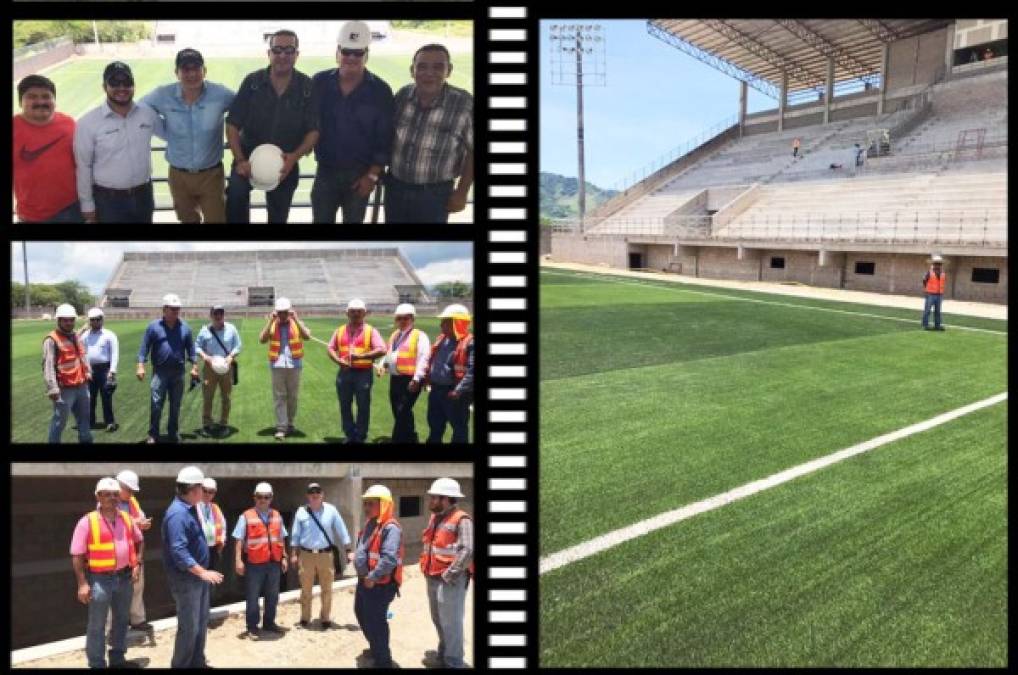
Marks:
<point>189,57</point>
<point>118,70</point>
<point>314,487</point>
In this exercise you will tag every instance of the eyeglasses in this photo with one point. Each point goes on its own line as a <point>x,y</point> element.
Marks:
<point>356,53</point>
<point>208,492</point>
<point>263,496</point>
<point>105,495</point>
<point>96,319</point>
<point>289,51</point>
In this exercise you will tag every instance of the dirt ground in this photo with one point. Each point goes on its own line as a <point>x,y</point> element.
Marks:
<point>412,634</point>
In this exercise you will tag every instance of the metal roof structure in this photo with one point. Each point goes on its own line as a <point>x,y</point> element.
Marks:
<point>757,51</point>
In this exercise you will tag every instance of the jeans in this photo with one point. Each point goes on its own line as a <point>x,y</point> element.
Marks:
<point>163,382</point>
<point>447,603</point>
<point>402,402</point>
<point>934,301</point>
<point>331,191</point>
<point>262,579</point>
<point>371,607</point>
<point>351,383</point>
<point>109,592</point>
<point>70,215</point>
<point>137,207</point>
<point>97,386</point>
<point>442,410</point>
<point>408,203</point>
<point>72,400</point>
<point>192,597</point>
<point>277,202</point>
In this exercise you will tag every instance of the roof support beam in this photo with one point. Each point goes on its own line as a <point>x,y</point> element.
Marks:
<point>782,100</point>
<point>818,42</point>
<point>829,90</point>
<point>804,77</point>
<point>879,29</point>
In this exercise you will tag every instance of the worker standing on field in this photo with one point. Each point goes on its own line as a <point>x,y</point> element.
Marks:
<point>354,347</point>
<point>66,373</point>
<point>285,334</point>
<point>934,283</point>
<point>451,375</point>
<point>407,364</point>
<point>103,352</point>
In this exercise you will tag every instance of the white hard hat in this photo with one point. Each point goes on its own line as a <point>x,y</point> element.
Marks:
<point>377,492</point>
<point>95,313</point>
<point>266,163</point>
<point>455,311</point>
<point>219,366</point>
<point>190,475</point>
<point>263,489</point>
<point>130,479</point>
<point>107,485</point>
<point>282,304</point>
<point>404,309</point>
<point>209,483</point>
<point>354,35</point>
<point>66,311</point>
<point>356,303</point>
<point>937,258</point>
<point>445,487</point>
<point>171,300</point>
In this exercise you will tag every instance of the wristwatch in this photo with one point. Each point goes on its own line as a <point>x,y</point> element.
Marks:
<point>373,177</point>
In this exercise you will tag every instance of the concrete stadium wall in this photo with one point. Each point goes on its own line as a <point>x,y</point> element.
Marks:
<point>802,267</point>
<point>965,289</point>
<point>722,263</point>
<point>916,60</point>
<point>609,251</point>
<point>47,59</point>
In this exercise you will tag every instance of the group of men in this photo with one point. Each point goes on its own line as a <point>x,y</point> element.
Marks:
<point>108,557</point>
<point>78,366</point>
<point>99,169</point>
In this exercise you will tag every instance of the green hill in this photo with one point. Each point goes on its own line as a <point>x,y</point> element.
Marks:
<point>559,196</point>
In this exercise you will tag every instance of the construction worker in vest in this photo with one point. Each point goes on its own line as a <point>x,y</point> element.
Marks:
<point>128,482</point>
<point>66,372</point>
<point>186,562</point>
<point>105,550</point>
<point>407,365</point>
<point>285,334</point>
<point>934,284</point>
<point>261,538</point>
<point>354,347</point>
<point>447,561</point>
<point>451,374</point>
<point>213,523</point>
<point>378,560</point>
<point>318,532</point>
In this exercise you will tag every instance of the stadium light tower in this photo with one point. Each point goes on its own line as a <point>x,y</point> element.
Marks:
<point>578,57</point>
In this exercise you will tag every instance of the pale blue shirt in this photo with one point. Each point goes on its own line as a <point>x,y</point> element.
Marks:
<point>102,346</point>
<point>207,344</point>
<point>308,535</point>
<point>285,359</point>
<point>113,151</point>
<point>193,132</point>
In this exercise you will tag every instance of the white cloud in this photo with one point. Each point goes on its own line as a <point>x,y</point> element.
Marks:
<point>459,269</point>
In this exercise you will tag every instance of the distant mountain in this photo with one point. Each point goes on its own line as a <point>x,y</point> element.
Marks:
<point>559,196</point>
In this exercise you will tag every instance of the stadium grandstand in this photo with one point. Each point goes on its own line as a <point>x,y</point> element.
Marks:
<point>924,100</point>
<point>314,280</point>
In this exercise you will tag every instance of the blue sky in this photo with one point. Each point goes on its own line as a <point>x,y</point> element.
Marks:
<point>656,98</point>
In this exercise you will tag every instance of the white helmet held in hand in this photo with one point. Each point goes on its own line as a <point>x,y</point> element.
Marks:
<point>266,163</point>
<point>219,366</point>
<point>66,311</point>
<point>446,487</point>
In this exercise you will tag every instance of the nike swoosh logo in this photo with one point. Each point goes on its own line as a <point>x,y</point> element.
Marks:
<point>32,155</point>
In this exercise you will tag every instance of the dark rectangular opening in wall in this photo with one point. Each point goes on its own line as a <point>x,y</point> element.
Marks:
<point>985,275</point>
<point>409,507</point>
<point>777,263</point>
<point>636,261</point>
<point>865,267</point>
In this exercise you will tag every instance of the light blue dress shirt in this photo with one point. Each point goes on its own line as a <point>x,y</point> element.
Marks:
<point>207,344</point>
<point>102,347</point>
<point>193,132</point>
<point>308,535</point>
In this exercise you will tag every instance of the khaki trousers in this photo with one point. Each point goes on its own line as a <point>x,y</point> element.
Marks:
<point>199,194</point>
<point>310,565</point>
<point>210,382</point>
<point>285,388</point>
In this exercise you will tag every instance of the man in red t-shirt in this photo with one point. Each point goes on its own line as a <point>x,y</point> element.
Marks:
<point>44,178</point>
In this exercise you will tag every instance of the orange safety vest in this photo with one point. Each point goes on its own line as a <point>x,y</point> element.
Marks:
<point>263,544</point>
<point>102,556</point>
<point>375,552</point>
<point>70,364</point>
<point>296,344</point>
<point>406,357</point>
<point>935,284</point>
<point>342,338</point>
<point>217,515</point>
<point>439,550</point>
<point>459,356</point>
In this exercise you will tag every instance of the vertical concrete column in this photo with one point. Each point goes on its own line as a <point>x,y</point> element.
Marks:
<point>948,51</point>
<point>350,502</point>
<point>828,89</point>
<point>782,100</point>
<point>885,53</point>
<point>743,93</point>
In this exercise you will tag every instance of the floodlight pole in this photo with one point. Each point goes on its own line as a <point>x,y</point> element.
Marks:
<point>582,195</point>
<point>24,258</point>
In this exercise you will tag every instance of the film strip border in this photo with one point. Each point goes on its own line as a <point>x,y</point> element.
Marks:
<point>511,598</point>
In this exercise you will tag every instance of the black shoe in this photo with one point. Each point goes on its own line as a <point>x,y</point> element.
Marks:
<point>939,328</point>
<point>252,633</point>
<point>144,625</point>
<point>326,624</point>
<point>126,664</point>
<point>302,623</point>
<point>274,628</point>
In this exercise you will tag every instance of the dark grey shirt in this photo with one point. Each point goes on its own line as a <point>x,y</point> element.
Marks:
<point>263,117</point>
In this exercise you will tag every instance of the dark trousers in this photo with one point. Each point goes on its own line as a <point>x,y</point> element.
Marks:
<point>262,579</point>
<point>408,203</point>
<point>355,383</point>
<point>112,207</point>
<point>402,402</point>
<point>371,607</point>
<point>97,385</point>
<point>70,215</point>
<point>277,202</point>
<point>166,384</point>
<point>333,190</point>
<point>443,410</point>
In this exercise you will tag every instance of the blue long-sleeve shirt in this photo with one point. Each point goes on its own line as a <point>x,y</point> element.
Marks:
<point>388,555</point>
<point>169,346</point>
<point>184,544</point>
<point>356,129</point>
<point>193,132</point>
<point>308,535</point>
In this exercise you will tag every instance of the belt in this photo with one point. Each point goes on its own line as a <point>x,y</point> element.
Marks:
<point>127,191</point>
<point>419,186</point>
<point>315,550</point>
<point>217,165</point>
<point>125,571</point>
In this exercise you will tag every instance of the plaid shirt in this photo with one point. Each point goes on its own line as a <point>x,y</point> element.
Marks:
<point>431,143</point>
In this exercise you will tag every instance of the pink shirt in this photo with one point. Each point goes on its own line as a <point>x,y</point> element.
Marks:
<point>82,532</point>
<point>356,335</point>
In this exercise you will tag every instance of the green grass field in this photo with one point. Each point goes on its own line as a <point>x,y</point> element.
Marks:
<point>79,89</point>
<point>252,413</point>
<point>893,558</point>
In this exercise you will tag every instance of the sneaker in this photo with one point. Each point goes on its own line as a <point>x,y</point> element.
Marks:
<point>207,429</point>
<point>280,435</point>
<point>144,625</point>
<point>111,427</point>
<point>251,633</point>
<point>150,440</point>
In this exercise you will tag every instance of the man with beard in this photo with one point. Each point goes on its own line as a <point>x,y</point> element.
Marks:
<point>44,181</point>
<point>112,149</point>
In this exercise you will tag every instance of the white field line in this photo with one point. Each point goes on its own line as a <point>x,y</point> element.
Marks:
<point>622,535</point>
<point>611,279</point>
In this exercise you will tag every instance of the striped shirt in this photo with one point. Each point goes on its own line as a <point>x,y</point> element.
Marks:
<point>431,143</point>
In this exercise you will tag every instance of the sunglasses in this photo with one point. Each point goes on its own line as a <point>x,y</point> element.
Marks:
<point>289,51</point>
<point>314,492</point>
<point>96,319</point>
<point>121,83</point>
<point>358,53</point>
